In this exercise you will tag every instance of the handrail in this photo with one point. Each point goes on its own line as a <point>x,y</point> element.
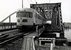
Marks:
<point>8,16</point>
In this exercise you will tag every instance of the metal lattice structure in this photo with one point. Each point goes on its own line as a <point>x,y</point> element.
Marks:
<point>8,25</point>
<point>52,12</point>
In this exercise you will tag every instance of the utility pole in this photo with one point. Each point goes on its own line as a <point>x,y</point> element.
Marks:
<point>36,2</point>
<point>22,3</point>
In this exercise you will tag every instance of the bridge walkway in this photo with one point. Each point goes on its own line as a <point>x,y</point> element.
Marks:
<point>28,41</point>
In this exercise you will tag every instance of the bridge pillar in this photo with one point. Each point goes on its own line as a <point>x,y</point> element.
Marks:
<point>62,35</point>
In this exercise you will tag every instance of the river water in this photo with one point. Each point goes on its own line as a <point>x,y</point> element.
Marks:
<point>68,34</point>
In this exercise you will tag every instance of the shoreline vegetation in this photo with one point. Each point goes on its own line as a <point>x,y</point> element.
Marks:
<point>67,25</point>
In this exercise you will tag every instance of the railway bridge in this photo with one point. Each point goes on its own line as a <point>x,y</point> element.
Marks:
<point>44,38</point>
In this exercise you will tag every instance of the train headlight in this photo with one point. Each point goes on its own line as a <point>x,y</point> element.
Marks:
<point>18,20</point>
<point>49,22</point>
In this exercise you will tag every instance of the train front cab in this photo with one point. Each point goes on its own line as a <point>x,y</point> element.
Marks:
<point>25,22</point>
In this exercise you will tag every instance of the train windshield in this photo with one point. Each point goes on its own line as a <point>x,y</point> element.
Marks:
<point>24,14</point>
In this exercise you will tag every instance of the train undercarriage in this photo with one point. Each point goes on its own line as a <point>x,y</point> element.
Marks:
<point>26,28</point>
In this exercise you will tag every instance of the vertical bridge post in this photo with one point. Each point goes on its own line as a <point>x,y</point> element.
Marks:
<point>28,43</point>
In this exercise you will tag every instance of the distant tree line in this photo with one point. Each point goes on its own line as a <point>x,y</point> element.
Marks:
<point>67,25</point>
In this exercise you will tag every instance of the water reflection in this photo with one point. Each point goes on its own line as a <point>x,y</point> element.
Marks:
<point>68,34</point>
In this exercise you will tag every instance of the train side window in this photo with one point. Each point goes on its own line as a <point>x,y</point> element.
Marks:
<point>26,14</point>
<point>24,20</point>
<point>30,15</point>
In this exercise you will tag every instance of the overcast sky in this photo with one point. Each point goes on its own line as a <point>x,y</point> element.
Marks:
<point>9,6</point>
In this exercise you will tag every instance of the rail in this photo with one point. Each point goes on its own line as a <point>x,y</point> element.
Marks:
<point>30,43</point>
<point>11,39</point>
<point>8,38</point>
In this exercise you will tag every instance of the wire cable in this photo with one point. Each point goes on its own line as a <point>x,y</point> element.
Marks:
<point>22,3</point>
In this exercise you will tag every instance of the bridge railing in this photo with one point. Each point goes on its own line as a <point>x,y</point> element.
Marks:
<point>5,26</point>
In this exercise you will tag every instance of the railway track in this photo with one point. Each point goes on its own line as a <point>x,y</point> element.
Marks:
<point>11,36</point>
<point>28,41</point>
<point>8,35</point>
<point>11,39</point>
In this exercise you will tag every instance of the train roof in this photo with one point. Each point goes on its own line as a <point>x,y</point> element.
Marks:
<point>27,9</point>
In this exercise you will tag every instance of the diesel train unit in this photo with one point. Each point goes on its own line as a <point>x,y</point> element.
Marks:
<point>28,18</point>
